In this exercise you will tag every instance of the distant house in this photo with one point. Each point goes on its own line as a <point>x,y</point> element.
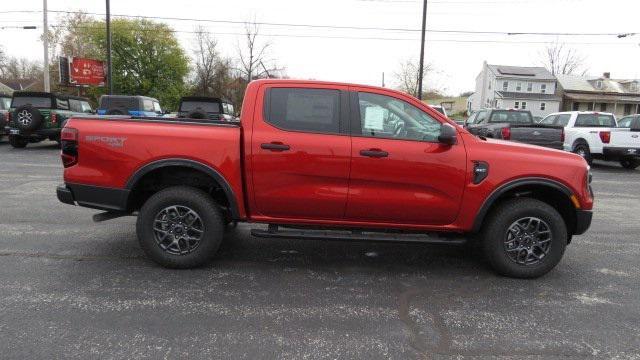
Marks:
<point>516,87</point>
<point>584,93</point>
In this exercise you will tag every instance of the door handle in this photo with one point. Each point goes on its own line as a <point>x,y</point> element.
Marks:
<point>275,146</point>
<point>374,153</point>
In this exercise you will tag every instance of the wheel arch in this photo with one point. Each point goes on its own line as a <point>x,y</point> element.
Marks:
<point>169,172</point>
<point>549,191</point>
<point>579,140</point>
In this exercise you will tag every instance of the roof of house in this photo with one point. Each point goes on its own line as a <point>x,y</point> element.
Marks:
<point>529,96</point>
<point>521,72</point>
<point>5,90</point>
<point>577,83</point>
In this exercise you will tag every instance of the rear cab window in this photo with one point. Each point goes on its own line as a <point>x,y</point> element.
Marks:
<point>595,120</point>
<point>5,103</point>
<point>41,102</point>
<point>206,106</point>
<point>302,109</point>
<point>511,117</point>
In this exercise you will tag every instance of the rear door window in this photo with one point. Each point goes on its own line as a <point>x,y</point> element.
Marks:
<point>309,110</point>
<point>35,101</point>
<point>5,103</point>
<point>147,105</point>
<point>62,104</point>
<point>156,107</point>
<point>511,117</point>
<point>625,122</point>
<point>595,120</point>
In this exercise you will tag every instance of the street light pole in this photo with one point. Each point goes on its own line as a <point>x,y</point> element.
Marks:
<point>108,21</point>
<point>45,41</point>
<point>421,66</point>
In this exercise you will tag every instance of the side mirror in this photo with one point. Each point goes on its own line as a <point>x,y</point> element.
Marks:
<point>448,134</point>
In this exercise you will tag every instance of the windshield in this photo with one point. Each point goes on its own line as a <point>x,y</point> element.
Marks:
<point>35,101</point>
<point>206,106</point>
<point>595,120</point>
<point>511,117</point>
<point>5,103</point>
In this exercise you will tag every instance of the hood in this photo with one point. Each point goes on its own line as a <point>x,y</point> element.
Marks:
<point>532,153</point>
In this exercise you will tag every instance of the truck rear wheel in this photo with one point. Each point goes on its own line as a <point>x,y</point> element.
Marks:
<point>582,149</point>
<point>180,227</point>
<point>630,164</point>
<point>18,142</point>
<point>524,238</point>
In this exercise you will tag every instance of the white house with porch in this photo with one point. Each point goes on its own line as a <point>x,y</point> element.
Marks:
<point>588,93</point>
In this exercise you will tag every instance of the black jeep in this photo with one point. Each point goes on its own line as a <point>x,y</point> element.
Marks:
<point>37,116</point>
<point>201,107</point>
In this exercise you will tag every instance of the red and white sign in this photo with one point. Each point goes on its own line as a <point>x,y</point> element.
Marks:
<point>86,72</point>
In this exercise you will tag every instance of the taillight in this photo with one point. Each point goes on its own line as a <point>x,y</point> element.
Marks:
<point>69,141</point>
<point>506,133</point>
<point>54,118</point>
<point>605,136</point>
<point>562,136</point>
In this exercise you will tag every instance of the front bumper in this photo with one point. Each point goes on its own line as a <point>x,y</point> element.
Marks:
<point>583,221</point>
<point>621,152</point>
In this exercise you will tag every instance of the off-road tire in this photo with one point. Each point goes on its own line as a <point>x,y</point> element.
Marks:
<point>184,196</point>
<point>27,118</point>
<point>18,142</point>
<point>630,164</point>
<point>501,219</point>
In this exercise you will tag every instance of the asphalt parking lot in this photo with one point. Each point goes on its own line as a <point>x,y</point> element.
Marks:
<point>71,288</point>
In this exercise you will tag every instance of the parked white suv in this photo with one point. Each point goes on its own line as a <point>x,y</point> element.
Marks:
<point>595,135</point>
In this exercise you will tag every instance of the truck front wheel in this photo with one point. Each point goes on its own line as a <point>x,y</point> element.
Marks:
<point>630,164</point>
<point>180,227</point>
<point>524,238</point>
<point>18,142</point>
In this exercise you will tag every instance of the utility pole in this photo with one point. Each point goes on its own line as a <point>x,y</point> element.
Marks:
<point>108,21</point>
<point>421,70</point>
<point>45,40</point>
<point>383,79</point>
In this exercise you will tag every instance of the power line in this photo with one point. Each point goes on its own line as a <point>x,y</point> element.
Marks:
<point>322,26</point>
<point>361,37</point>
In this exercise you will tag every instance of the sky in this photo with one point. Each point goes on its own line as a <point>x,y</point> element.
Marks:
<point>362,56</point>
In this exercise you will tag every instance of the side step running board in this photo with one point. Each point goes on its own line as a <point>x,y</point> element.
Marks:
<point>354,235</point>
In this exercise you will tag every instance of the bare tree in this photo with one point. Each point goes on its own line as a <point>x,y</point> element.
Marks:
<point>407,76</point>
<point>562,60</point>
<point>254,61</point>
<point>206,61</point>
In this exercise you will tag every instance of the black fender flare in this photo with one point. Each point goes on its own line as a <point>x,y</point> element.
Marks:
<point>233,205</point>
<point>495,195</point>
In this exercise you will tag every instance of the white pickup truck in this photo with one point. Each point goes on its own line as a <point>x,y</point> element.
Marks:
<point>595,135</point>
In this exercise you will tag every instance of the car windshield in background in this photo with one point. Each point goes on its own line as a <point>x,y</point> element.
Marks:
<point>595,120</point>
<point>206,106</point>
<point>35,101</point>
<point>511,117</point>
<point>5,103</point>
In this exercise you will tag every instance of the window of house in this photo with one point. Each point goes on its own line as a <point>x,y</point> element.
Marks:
<point>543,88</point>
<point>529,87</point>
<point>603,107</point>
<point>505,86</point>
<point>599,84</point>
<point>524,105</point>
<point>388,117</point>
<point>575,106</point>
<point>627,109</point>
<point>543,106</point>
<point>633,86</point>
<point>590,106</point>
<point>311,110</point>
<point>516,105</point>
<point>518,86</point>
<point>489,85</point>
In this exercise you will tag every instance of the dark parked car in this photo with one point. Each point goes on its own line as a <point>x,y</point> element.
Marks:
<point>630,122</point>
<point>129,105</point>
<point>5,105</point>
<point>37,116</point>
<point>516,125</point>
<point>200,107</point>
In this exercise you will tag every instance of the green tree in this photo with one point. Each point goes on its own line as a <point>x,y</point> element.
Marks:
<point>146,56</point>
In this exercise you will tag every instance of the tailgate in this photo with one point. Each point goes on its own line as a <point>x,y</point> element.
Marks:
<point>624,138</point>
<point>542,136</point>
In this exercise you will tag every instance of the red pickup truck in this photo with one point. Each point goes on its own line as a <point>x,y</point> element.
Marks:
<point>320,160</point>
